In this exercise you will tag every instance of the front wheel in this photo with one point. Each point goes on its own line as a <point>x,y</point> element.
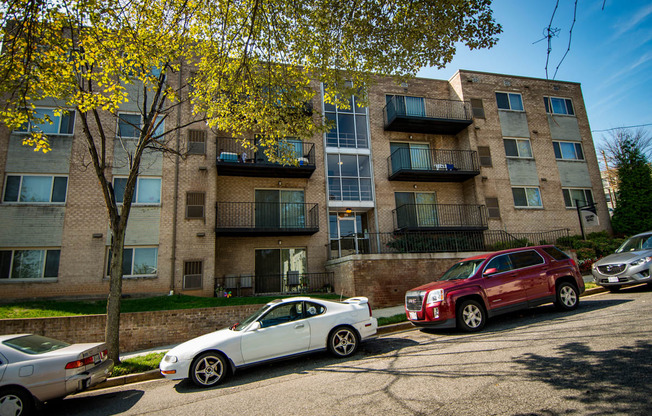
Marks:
<point>471,316</point>
<point>208,369</point>
<point>16,402</point>
<point>567,297</point>
<point>343,342</point>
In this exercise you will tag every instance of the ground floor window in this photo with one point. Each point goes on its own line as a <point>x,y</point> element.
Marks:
<point>279,270</point>
<point>29,264</point>
<point>137,261</point>
<point>348,233</point>
<point>573,196</point>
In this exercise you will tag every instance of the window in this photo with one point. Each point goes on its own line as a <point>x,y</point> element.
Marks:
<point>279,208</point>
<point>61,124</point>
<point>416,209</point>
<point>477,107</point>
<point>500,263</point>
<point>129,126</point>
<point>509,101</point>
<point>524,259</point>
<point>29,264</point>
<point>410,156</point>
<point>556,105</point>
<point>518,148</point>
<point>36,189</point>
<point>493,210</point>
<point>283,313</point>
<point>568,150</point>
<point>572,195</point>
<point>196,142</point>
<point>349,125</point>
<point>349,178</point>
<point>192,275</point>
<point>485,156</point>
<point>527,197</point>
<point>555,253</point>
<point>348,233</point>
<point>137,261</point>
<point>405,106</point>
<point>148,190</point>
<point>195,202</point>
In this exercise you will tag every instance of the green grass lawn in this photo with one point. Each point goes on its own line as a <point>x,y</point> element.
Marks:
<point>138,364</point>
<point>51,308</point>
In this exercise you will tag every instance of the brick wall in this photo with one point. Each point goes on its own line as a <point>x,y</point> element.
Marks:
<point>138,330</point>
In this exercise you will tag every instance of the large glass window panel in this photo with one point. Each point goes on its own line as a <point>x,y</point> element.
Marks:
<point>568,150</point>
<point>12,188</point>
<point>361,131</point>
<point>346,130</point>
<point>52,263</point>
<point>524,149</point>
<point>502,101</point>
<point>268,209</point>
<point>45,127</point>
<point>333,162</point>
<point>350,190</point>
<point>292,209</point>
<point>119,185</point>
<point>400,154</point>
<point>334,189</point>
<point>145,261</point>
<point>364,169</point>
<point>558,106</point>
<point>149,191</point>
<point>511,150</point>
<point>331,136</point>
<point>420,156</point>
<point>426,209</point>
<point>533,197</point>
<point>515,102</point>
<point>349,165</point>
<point>59,189</point>
<point>67,123</point>
<point>332,226</point>
<point>557,149</point>
<point>28,264</point>
<point>365,189</point>
<point>414,106</point>
<point>520,199</point>
<point>36,189</point>
<point>406,215</point>
<point>129,125</point>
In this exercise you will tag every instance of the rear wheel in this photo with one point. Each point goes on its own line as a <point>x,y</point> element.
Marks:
<point>343,341</point>
<point>567,296</point>
<point>16,402</point>
<point>208,369</point>
<point>471,316</point>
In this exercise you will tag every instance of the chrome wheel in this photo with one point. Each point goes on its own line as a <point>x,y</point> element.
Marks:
<point>470,316</point>
<point>567,297</point>
<point>208,369</point>
<point>343,342</point>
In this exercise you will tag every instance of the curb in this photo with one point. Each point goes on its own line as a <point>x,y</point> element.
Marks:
<point>156,374</point>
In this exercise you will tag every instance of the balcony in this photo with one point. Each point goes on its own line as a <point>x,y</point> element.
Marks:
<point>428,165</point>
<point>249,219</point>
<point>235,160</point>
<point>440,217</point>
<point>426,115</point>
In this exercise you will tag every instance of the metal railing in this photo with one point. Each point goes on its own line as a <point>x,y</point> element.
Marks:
<point>233,150</point>
<point>439,216</point>
<point>275,284</point>
<point>266,215</point>
<point>442,241</point>
<point>417,107</point>
<point>435,160</point>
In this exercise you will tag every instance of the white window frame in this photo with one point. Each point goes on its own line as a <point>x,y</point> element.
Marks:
<point>572,200</point>
<point>137,190</point>
<point>519,139</point>
<point>510,102</point>
<point>20,187</point>
<point>57,120</point>
<point>576,144</point>
<point>526,199</point>
<point>42,277</point>
<point>550,110</point>
<point>132,276</point>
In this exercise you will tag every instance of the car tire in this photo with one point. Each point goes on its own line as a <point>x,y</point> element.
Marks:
<point>16,402</point>
<point>343,341</point>
<point>613,289</point>
<point>471,316</point>
<point>567,297</point>
<point>208,369</point>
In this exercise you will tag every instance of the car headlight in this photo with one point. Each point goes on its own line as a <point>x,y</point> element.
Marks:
<point>435,296</point>
<point>640,261</point>
<point>170,359</point>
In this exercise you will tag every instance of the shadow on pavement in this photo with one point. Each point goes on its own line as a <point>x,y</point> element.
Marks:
<point>97,405</point>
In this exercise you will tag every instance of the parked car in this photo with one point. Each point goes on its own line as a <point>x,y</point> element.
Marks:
<point>630,264</point>
<point>487,285</point>
<point>34,369</point>
<point>281,328</point>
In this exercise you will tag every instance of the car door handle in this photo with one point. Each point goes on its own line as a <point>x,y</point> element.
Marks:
<point>298,326</point>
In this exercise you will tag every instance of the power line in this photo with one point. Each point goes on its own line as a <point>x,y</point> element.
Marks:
<point>622,127</point>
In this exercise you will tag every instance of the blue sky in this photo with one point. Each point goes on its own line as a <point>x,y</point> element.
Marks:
<point>610,54</point>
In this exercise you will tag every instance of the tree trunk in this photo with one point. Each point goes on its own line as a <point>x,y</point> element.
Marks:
<point>112,331</point>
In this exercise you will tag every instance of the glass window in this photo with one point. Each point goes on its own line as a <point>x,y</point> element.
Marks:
<point>35,188</point>
<point>556,105</point>
<point>518,148</point>
<point>500,263</point>
<point>509,101</point>
<point>63,124</point>
<point>35,344</point>
<point>349,178</point>
<point>348,125</point>
<point>527,197</point>
<point>29,264</point>
<point>568,150</point>
<point>128,125</point>
<point>525,259</point>
<point>137,261</point>
<point>147,191</point>
<point>572,195</point>
<point>555,253</point>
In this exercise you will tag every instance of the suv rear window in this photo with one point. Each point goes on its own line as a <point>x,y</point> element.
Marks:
<point>555,253</point>
<point>525,259</point>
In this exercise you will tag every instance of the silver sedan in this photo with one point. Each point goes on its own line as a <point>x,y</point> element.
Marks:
<point>34,369</point>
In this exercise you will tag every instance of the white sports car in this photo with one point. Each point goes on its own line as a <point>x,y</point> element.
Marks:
<point>282,328</point>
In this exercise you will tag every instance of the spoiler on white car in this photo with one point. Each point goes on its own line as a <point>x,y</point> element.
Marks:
<point>361,300</point>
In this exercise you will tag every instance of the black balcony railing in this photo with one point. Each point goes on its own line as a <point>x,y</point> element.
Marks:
<point>432,165</point>
<point>274,284</point>
<point>266,218</point>
<point>432,217</point>
<point>447,241</point>
<point>236,159</point>
<point>427,115</point>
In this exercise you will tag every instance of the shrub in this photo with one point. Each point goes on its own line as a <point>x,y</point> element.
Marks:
<point>586,253</point>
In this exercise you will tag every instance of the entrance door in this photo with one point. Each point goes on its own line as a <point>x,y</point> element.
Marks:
<point>279,270</point>
<point>348,234</point>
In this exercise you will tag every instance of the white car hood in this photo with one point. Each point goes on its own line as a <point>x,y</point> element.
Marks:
<point>214,340</point>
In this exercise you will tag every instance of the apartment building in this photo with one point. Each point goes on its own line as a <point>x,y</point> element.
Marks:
<point>447,160</point>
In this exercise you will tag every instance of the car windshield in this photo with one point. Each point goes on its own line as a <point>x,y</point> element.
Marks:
<point>641,242</point>
<point>462,270</point>
<point>35,344</point>
<point>242,325</point>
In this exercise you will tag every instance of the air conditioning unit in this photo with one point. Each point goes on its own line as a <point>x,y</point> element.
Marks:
<point>192,281</point>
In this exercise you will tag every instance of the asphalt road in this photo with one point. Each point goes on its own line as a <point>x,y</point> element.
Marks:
<point>596,360</point>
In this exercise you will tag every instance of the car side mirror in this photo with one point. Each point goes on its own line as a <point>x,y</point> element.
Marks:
<point>255,326</point>
<point>489,272</point>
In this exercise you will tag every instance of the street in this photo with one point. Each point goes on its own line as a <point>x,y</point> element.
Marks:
<point>593,361</point>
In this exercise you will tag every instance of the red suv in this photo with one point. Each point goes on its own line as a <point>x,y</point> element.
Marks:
<point>483,286</point>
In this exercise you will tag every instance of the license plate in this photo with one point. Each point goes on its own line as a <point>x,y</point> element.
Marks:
<point>413,316</point>
<point>96,359</point>
<point>613,280</point>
